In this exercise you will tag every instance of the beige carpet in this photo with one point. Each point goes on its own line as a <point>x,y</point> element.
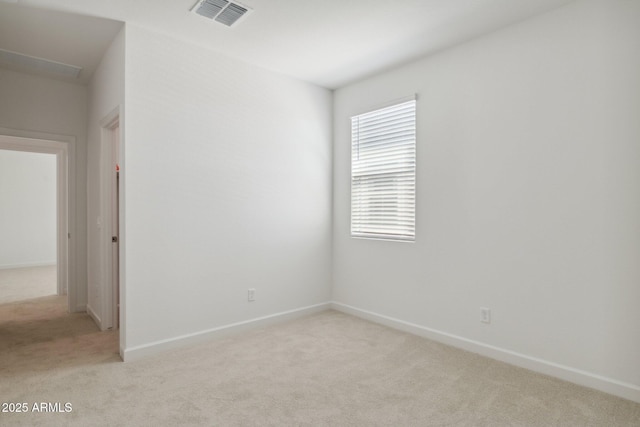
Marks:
<point>19,284</point>
<point>329,369</point>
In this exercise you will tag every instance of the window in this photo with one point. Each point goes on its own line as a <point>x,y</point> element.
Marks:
<point>383,172</point>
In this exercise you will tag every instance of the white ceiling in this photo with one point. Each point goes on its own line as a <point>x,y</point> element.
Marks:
<point>330,42</point>
<point>61,37</point>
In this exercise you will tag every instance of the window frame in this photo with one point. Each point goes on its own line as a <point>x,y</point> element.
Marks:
<point>401,183</point>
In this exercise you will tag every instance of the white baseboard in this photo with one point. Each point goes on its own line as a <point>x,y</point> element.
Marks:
<point>142,351</point>
<point>94,316</point>
<point>576,376</point>
<point>27,265</point>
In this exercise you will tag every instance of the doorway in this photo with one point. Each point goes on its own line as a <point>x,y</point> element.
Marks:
<point>27,225</point>
<point>114,161</point>
<point>110,212</point>
<point>63,148</point>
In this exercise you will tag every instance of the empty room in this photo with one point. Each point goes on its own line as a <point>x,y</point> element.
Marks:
<point>28,226</point>
<point>338,213</point>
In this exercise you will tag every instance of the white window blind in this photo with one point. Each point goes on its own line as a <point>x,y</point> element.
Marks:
<point>383,172</point>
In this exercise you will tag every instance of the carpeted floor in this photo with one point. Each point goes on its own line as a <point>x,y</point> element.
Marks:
<point>19,284</point>
<point>328,369</point>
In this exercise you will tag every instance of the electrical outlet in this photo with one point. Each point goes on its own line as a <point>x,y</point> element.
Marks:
<point>485,315</point>
<point>251,294</point>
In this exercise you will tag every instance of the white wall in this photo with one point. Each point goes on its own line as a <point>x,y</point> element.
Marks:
<point>228,187</point>
<point>528,193</point>
<point>39,104</point>
<point>27,209</point>
<point>106,94</point>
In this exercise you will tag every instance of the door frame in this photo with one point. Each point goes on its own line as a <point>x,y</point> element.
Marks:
<point>63,147</point>
<point>110,298</point>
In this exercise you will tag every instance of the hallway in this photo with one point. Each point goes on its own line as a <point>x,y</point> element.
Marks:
<point>37,332</point>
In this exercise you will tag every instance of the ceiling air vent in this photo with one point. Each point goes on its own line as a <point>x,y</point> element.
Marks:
<point>223,11</point>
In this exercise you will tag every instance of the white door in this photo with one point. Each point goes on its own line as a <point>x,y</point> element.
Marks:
<point>115,225</point>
